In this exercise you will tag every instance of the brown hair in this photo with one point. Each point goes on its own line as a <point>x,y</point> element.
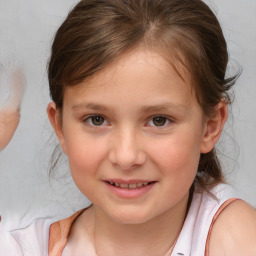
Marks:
<point>97,32</point>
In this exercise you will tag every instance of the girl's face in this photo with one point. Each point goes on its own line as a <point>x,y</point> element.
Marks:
<point>133,134</point>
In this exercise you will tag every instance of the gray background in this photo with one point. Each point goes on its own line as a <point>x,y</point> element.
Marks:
<point>26,31</point>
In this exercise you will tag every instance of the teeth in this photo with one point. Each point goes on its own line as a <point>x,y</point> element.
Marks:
<point>130,186</point>
<point>139,185</point>
<point>124,185</point>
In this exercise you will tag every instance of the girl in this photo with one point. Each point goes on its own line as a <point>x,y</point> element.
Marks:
<point>140,98</point>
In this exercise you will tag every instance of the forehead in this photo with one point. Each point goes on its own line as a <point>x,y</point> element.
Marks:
<point>140,74</point>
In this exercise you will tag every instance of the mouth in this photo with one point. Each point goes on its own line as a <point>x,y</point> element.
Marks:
<point>130,185</point>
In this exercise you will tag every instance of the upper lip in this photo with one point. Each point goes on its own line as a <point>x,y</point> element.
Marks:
<point>134,181</point>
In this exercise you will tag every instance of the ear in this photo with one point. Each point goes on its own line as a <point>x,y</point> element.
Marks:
<point>55,119</point>
<point>214,126</point>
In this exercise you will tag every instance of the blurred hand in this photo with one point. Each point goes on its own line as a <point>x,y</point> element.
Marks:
<point>12,86</point>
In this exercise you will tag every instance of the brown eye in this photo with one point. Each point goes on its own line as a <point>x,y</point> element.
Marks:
<point>159,121</point>
<point>96,120</point>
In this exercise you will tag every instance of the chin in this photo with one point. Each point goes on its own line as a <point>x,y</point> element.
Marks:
<point>130,217</point>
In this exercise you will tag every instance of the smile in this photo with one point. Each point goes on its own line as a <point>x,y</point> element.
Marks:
<point>129,189</point>
<point>129,185</point>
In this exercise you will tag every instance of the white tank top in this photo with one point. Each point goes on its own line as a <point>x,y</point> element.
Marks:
<point>33,240</point>
<point>204,207</point>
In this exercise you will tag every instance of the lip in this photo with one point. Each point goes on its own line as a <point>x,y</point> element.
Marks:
<point>128,193</point>
<point>128,181</point>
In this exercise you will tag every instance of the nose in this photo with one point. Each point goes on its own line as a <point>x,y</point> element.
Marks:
<point>126,150</point>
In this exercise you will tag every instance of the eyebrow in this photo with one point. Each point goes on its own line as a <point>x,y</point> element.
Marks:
<point>153,108</point>
<point>164,107</point>
<point>89,106</point>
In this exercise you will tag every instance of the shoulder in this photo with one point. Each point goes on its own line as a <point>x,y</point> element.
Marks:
<point>59,233</point>
<point>18,239</point>
<point>234,232</point>
<point>37,230</point>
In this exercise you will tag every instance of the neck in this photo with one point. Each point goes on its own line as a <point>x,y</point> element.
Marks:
<point>152,238</point>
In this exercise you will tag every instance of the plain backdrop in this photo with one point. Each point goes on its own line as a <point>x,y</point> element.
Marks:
<point>27,28</point>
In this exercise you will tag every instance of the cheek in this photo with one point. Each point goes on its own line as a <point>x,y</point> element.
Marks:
<point>85,155</point>
<point>178,156</point>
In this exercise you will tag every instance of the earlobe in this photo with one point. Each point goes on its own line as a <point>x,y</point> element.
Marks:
<point>214,127</point>
<point>55,120</point>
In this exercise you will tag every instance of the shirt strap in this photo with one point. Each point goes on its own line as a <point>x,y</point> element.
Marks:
<point>58,234</point>
<point>220,210</point>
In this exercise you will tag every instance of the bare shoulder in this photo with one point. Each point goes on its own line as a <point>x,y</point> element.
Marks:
<point>234,232</point>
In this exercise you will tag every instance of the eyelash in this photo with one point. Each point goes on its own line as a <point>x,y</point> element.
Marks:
<point>168,120</point>
<point>88,120</point>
